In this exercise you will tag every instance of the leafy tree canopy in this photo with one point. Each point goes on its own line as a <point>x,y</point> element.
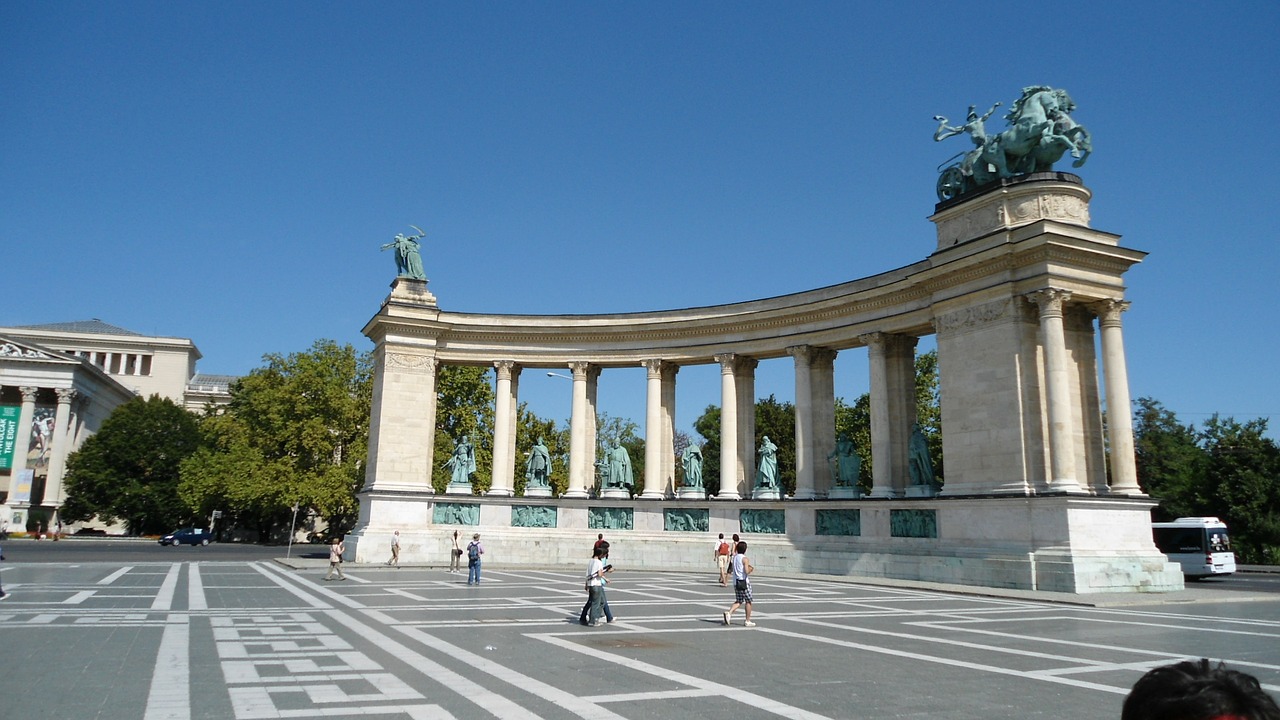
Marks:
<point>129,470</point>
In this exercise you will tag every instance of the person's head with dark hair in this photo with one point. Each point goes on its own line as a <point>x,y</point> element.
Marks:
<point>742,547</point>
<point>1196,690</point>
<point>599,551</point>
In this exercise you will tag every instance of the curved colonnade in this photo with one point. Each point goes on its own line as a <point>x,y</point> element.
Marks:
<point>1012,292</point>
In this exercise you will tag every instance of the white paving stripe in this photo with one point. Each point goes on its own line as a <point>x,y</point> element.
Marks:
<point>170,696</point>
<point>728,691</point>
<point>164,598</point>
<point>115,576</point>
<point>195,589</point>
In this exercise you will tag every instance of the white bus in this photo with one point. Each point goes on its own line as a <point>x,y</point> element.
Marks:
<point>1199,544</point>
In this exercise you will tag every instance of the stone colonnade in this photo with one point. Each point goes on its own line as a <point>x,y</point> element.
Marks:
<point>68,431</point>
<point>1011,292</point>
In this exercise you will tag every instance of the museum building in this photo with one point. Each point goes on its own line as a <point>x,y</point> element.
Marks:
<point>59,381</point>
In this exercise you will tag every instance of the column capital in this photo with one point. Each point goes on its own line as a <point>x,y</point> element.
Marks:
<point>28,393</point>
<point>504,368</point>
<point>874,341</point>
<point>579,368</point>
<point>65,395</point>
<point>1109,310</point>
<point>1049,300</point>
<point>802,353</point>
<point>654,366</point>
<point>727,362</point>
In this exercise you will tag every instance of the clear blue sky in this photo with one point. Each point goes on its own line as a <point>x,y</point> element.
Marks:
<point>227,171</point>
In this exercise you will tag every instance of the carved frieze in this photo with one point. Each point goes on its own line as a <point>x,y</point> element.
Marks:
<point>971,317</point>
<point>11,350</point>
<point>407,363</point>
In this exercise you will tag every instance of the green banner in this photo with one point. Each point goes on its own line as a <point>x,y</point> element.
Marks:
<point>8,434</point>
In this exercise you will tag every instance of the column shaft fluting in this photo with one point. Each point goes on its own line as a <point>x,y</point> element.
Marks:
<point>653,434</point>
<point>804,423</point>
<point>579,464</point>
<point>728,430</point>
<point>503,482</point>
<point>1062,464</point>
<point>1124,471</point>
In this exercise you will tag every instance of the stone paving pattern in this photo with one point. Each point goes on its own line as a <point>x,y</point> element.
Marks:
<point>214,639</point>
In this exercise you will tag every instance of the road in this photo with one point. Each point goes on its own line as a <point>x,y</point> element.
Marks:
<point>183,633</point>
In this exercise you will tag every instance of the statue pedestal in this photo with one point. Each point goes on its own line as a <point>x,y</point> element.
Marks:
<point>413,291</point>
<point>541,491</point>
<point>764,493</point>
<point>615,494</point>
<point>918,491</point>
<point>458,489</point>
<point>844,493</point>
<point>691,493</point>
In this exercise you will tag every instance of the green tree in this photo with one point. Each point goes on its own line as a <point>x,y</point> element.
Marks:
<point>295,432</point>
<point>1170,461</point>
<point>708,428</point>
<point>464,407</point>
<point>773,418</point>
<point>1242,473</point>
<point>530,427</point>
<point>613,431</point>
<point>129,470</point>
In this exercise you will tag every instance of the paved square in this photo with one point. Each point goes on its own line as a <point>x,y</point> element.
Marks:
<point>209,639</point>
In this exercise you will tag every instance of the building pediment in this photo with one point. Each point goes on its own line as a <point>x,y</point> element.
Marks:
<point>20,350</point>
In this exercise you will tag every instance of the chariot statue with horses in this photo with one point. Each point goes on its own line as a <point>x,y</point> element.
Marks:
<point>1040,132</point>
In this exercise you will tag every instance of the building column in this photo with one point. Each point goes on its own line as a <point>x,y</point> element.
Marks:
<point>58,461</point>
<point>822,376</point>
<point>653,431</point>
<point>728,429</point>
<point>900,363</point>
<point>881,445</point>
<point>504,403</point>
<point>1124,470</point>
<point>744,379</point>
<point>805,480</point>
<point>1062,465</point>
<point>23,441</point>
<point>669,371</point>
<point>580,458</point>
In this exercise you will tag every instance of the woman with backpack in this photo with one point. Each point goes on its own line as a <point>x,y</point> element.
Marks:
<point>722,552</point>
<point>474,551</point>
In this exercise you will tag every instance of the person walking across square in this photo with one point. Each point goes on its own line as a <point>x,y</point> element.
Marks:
<point>474,551</point>
<point>741,569</point>
<point>336,549</point>
<point>455,556</point>
<point>721,556</point>
<point>3,594</point>
<point>594,586</point>
<point>395,550</point>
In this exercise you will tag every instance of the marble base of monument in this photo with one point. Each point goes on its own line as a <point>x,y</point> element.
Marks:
<point>1070,544</point>
<point>691,493</point>
<point>763,493</point>
<point>921,491</point>
<point>538,492</point>
<point>615,494</point>
<point>452,489</point>
<point>844,493</point>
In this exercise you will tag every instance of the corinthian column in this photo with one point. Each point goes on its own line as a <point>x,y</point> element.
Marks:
<point>58,461</point>
<point>728,430</point>
<point>1124,471</point>
<point>579,463</point>
<point>881,437</point>
<point>653,431</point>
<point>503,461</point>
<point>804,422</point>
<point>1062,464</point>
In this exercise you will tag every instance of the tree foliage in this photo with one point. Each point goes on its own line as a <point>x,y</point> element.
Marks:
<point>1228,469</point>
<point>129,470</point>
<point>773,418</point>
<point>295,433</point>
<point>530,427</point>
<point>464,407</point>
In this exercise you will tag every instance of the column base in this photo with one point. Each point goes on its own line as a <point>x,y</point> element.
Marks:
<point>572,494</point>
<point>844,493</point>
<point>655,495</point>
<point>805,495</point>
<point>732,495</point>
<point>882,492</point>
<point>501,493</point>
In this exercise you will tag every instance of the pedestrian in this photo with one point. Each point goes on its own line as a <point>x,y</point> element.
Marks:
<point>741,570</point>
<point>721,557</point>
<point>594,587</point>
<point>456,556</point>
<point>336,549</point>
<point>599,542</point>
<point>395,550</point>
<point>3,595</point>
<point>604,596</point>
<point>474,551</point>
